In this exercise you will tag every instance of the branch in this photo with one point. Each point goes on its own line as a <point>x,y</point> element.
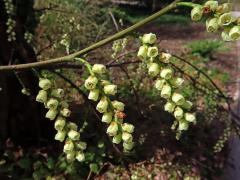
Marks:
<point>94,46</point>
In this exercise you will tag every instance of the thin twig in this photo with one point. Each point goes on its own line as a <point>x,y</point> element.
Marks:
<point>114,21</point>
<point>89,175</point>
<point>134,91</point>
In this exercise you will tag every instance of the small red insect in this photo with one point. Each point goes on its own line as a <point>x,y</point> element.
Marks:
<point>206,10</point>
<point>121,115</point>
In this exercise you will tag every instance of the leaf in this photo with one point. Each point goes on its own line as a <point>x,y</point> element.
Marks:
<point>50,163</point>
<point>94,168</point>
<point>25,163</point>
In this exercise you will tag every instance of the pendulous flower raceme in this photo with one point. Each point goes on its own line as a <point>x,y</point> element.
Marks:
<point>218,16</point>
<point>166,83</point>
<point>58,110</point>
<point>11,23</point>
<point>100,91</point>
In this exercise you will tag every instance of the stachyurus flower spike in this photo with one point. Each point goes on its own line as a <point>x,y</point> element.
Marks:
<point>212,24</point>
<point>197,13</point>
<point>234,33</point>
<point>149,38</point>
<point>213,5</point>
<point>225,19</point>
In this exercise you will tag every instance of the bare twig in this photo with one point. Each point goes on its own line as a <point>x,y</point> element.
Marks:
<point>114,21</point>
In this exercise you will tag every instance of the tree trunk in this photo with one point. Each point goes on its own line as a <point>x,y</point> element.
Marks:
<point>21,118</point>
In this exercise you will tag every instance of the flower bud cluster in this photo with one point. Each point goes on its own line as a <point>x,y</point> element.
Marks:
<point>166,82</point>
<point>222,140</point>
<point>10,22</point>
<point>52,98</point>
<point>28,37</point>
<point>218,16</point>
<point>118,46</point>
<point>100,91</point>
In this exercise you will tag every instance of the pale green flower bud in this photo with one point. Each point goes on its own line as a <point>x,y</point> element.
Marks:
<point>91,82</point>
<point>177,82</point>
<point>73,135</point>
<point>128,145</point>
<point>82,145</point>
<point>190,117</point>
<point>99,69</point>
<point>64,104</point>
<point>51,114</point>
<point>65,112</point>
<point>59,124</point>
<point>60,136</point>
<point>142,52</point>
<point>110,89</point>
<point>225,19</point>
<point>212,25</point>
<point>127,137</point>
<point>152,52</point>
<point>52,103</point>
<point>72,126</point>
<point>42,96</point>
<point>59,93</point>
<point>166,73</point>
<point>93,95</point>
<point>178,113</point>
<point>102,105</point>
<point>68,147</point>
<point>213,5</point>
<point>149,38</point>
<point>187,105</point>
<point>224,8</point>
<point>166,91</point>
<point>165,57</point>
<point>178,99</point>
<point>197,13</point>
<point>169,107</point>
<point>159,84</point>
<point>70,156</point>
<point>80,156</point>
<point>118,105</point>
<point>112,129</point>
<point>25,92</point>
<point>107,117</point>
<point>128,127</point>
<point>105,82</point>
<point>183,125</point>
<point>154,69</point>
<point>117,139</point>
<point>225,35</point>
<point>45,84</point>
<point>234,33</point>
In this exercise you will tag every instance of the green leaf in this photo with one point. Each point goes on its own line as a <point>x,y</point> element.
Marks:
<point>25,163</point>
<point>94,168</point>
